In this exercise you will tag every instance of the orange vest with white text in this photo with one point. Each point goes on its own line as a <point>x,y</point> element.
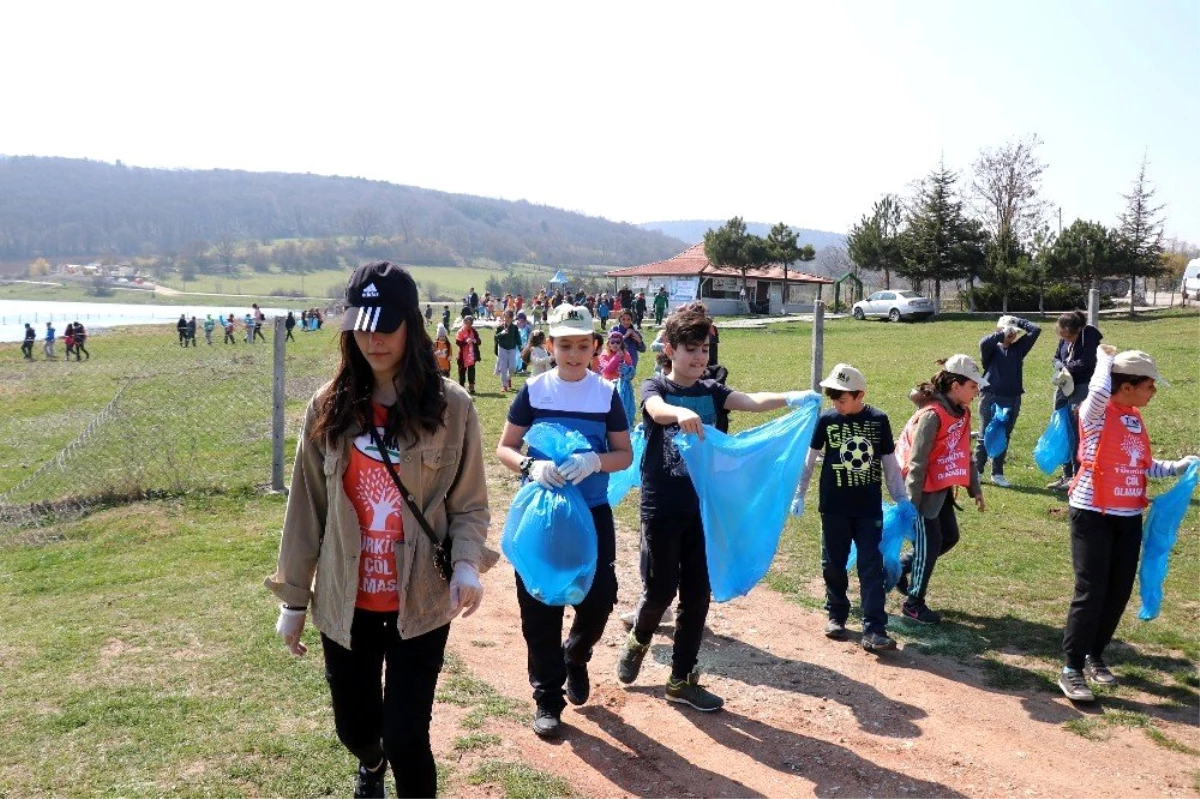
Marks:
<point>950,459</point>
<point>1122,458</point>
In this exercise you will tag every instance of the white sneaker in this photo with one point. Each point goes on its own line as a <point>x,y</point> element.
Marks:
<point>1001,481</point>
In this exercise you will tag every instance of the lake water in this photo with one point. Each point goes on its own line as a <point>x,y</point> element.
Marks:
<point>97,315</point>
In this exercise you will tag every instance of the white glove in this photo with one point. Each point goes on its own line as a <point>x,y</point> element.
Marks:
<point>289,627</point>
<point>577,467</point>
<point>798,504</point>
<point>1180,466</point>
<point>796,399</point>
<point>545,474</point>
<point>466,592</point>
<point>1064,382</point>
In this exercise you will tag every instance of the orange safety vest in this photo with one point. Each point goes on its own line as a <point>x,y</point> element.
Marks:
<point>950,459</point>
<point>1122,457</point>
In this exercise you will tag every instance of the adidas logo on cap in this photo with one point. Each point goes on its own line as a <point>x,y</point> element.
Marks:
<point>370,291</point>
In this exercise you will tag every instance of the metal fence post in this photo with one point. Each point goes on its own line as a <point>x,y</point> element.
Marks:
<point>818,343</point>
<point>277,403</point>
<point>1093,307</point>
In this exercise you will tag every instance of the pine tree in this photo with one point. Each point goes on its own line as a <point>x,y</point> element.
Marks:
<point>874,243</point>
<point>939,243</point>
<point>1139,237</point>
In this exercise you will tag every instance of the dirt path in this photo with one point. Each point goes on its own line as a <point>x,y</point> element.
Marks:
<point>805,716</point>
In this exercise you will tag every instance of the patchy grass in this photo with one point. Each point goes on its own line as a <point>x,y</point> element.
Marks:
<point>476,741</point>
<point>1099,728</point>
<point>519,781</point>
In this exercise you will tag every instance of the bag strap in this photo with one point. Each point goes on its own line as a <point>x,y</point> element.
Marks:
<point>408,498</point>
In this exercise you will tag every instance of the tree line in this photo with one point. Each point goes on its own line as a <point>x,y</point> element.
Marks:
<point>208,220</point>
<point>991,230</point>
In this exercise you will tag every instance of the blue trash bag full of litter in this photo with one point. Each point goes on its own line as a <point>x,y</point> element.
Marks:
<point>620,483</point>
<point>1053,448</point>
<point>745,483</point>
<point>995,436</point>
<point>898,523</point>
<point>550,536</point>
<point>1158,538</point>
<point>625,393</point>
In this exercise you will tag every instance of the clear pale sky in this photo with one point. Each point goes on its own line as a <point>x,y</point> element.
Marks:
<point>635,111</point>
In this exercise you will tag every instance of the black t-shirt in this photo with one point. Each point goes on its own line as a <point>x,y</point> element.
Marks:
<point>666,486</point>
<point>852,475</point>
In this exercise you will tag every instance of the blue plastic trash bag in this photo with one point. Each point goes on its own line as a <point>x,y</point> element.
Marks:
<point>745,483</point>
<point>995,437</point>
<point>550,536</point>
<point>1158,538</point>
<point>625,393</point>
<point>897,527</point>
<point>1054,447</point>
<point>620,483</point>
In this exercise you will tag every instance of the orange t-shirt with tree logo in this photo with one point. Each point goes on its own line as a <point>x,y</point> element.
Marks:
<point>377,503</point>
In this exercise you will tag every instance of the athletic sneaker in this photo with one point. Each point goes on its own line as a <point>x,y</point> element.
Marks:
<point>630,662</point>
<point>547,724</point>
<point>836,629</point>
<point>371,784</point>
<point>1074,686</point>
<point>1095,669</point>
<point>1060,484</point>
<point>920,613</point>
<point>579,685</point>
<point>877,642</point>
<point>1001,481</point>
<point>689,692</point>
<point>629,618</point>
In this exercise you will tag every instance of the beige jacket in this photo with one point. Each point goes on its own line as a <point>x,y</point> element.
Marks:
<point>320,529</point>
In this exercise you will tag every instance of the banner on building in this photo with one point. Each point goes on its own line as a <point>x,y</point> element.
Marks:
<point>683,289</point>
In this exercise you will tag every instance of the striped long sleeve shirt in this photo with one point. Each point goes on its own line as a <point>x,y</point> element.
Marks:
<point>1091,422</point>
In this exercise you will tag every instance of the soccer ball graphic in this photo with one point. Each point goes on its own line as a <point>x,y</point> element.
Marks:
<point>857,453</point>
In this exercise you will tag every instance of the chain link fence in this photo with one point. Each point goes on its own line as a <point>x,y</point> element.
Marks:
<point>143,417</point>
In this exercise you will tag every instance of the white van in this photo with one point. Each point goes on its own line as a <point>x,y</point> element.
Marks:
<point>1191,279</point>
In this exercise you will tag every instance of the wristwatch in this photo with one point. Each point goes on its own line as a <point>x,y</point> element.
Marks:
<point>526,465</point>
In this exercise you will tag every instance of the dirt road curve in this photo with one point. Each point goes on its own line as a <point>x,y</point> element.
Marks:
<point>806,716</point>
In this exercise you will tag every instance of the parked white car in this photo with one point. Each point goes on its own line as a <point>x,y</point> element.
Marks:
<point>894,305</point>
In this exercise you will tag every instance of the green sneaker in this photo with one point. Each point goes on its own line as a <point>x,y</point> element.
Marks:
<point>631,659</point>
<point>689,692</point>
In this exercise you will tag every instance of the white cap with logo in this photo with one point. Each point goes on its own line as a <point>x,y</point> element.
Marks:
<point>570,320</point>
<point>965,366</point>
<point>845,377</point>
<point>1136,362</point>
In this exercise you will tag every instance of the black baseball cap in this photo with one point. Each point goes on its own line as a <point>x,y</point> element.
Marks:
<point>377,296</point>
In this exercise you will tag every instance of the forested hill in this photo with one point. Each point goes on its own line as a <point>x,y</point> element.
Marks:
<point>59,208</point>
<point>692,231</point>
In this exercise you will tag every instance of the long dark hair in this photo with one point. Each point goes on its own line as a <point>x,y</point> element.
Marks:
<point>420,397</point>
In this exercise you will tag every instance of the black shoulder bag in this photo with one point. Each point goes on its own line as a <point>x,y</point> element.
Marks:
<point>441,554</point>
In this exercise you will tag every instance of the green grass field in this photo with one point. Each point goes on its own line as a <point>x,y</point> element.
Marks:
<point>140,657</point>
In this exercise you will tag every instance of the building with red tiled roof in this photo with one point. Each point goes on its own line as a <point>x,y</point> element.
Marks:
<point>689,276</point>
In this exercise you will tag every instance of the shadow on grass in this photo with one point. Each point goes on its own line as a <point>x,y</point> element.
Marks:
<point>874,711</point>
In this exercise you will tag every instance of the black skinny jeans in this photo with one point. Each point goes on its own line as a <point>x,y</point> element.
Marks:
<point>542,624</point>
<point>1104,554</point>
<point>837,533</point>
<point>934,538</point>
<point>673,560</point>
<point>392,719</point>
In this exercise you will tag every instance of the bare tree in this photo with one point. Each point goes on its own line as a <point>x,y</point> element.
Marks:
<point>364,222</point>
<point>1006,185</point>
<point>225,248</point>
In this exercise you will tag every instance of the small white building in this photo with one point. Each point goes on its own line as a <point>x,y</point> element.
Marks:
<point>689,276</point>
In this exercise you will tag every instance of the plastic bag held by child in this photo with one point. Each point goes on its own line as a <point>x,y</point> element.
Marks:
<point>745,483</point>
<point>1054,447</point>
<point>1158,537</point>
<point>550,535</point>
<point>995,437</point>
<point>898,521</point>
<point>625,393</point>
<point>620,483</point>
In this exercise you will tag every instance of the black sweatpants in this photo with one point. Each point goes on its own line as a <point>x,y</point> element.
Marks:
<point>466,375</point>
<point>837,533</point>
<point>1104,554</point>
<point>27,349</point>
<point>673,560</point>
<point>934,538</point>
<point>542,624</point>
<point>394,719</point>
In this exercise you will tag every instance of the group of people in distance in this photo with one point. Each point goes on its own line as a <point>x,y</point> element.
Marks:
<point>74,338</point>
<point>385,533</point>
